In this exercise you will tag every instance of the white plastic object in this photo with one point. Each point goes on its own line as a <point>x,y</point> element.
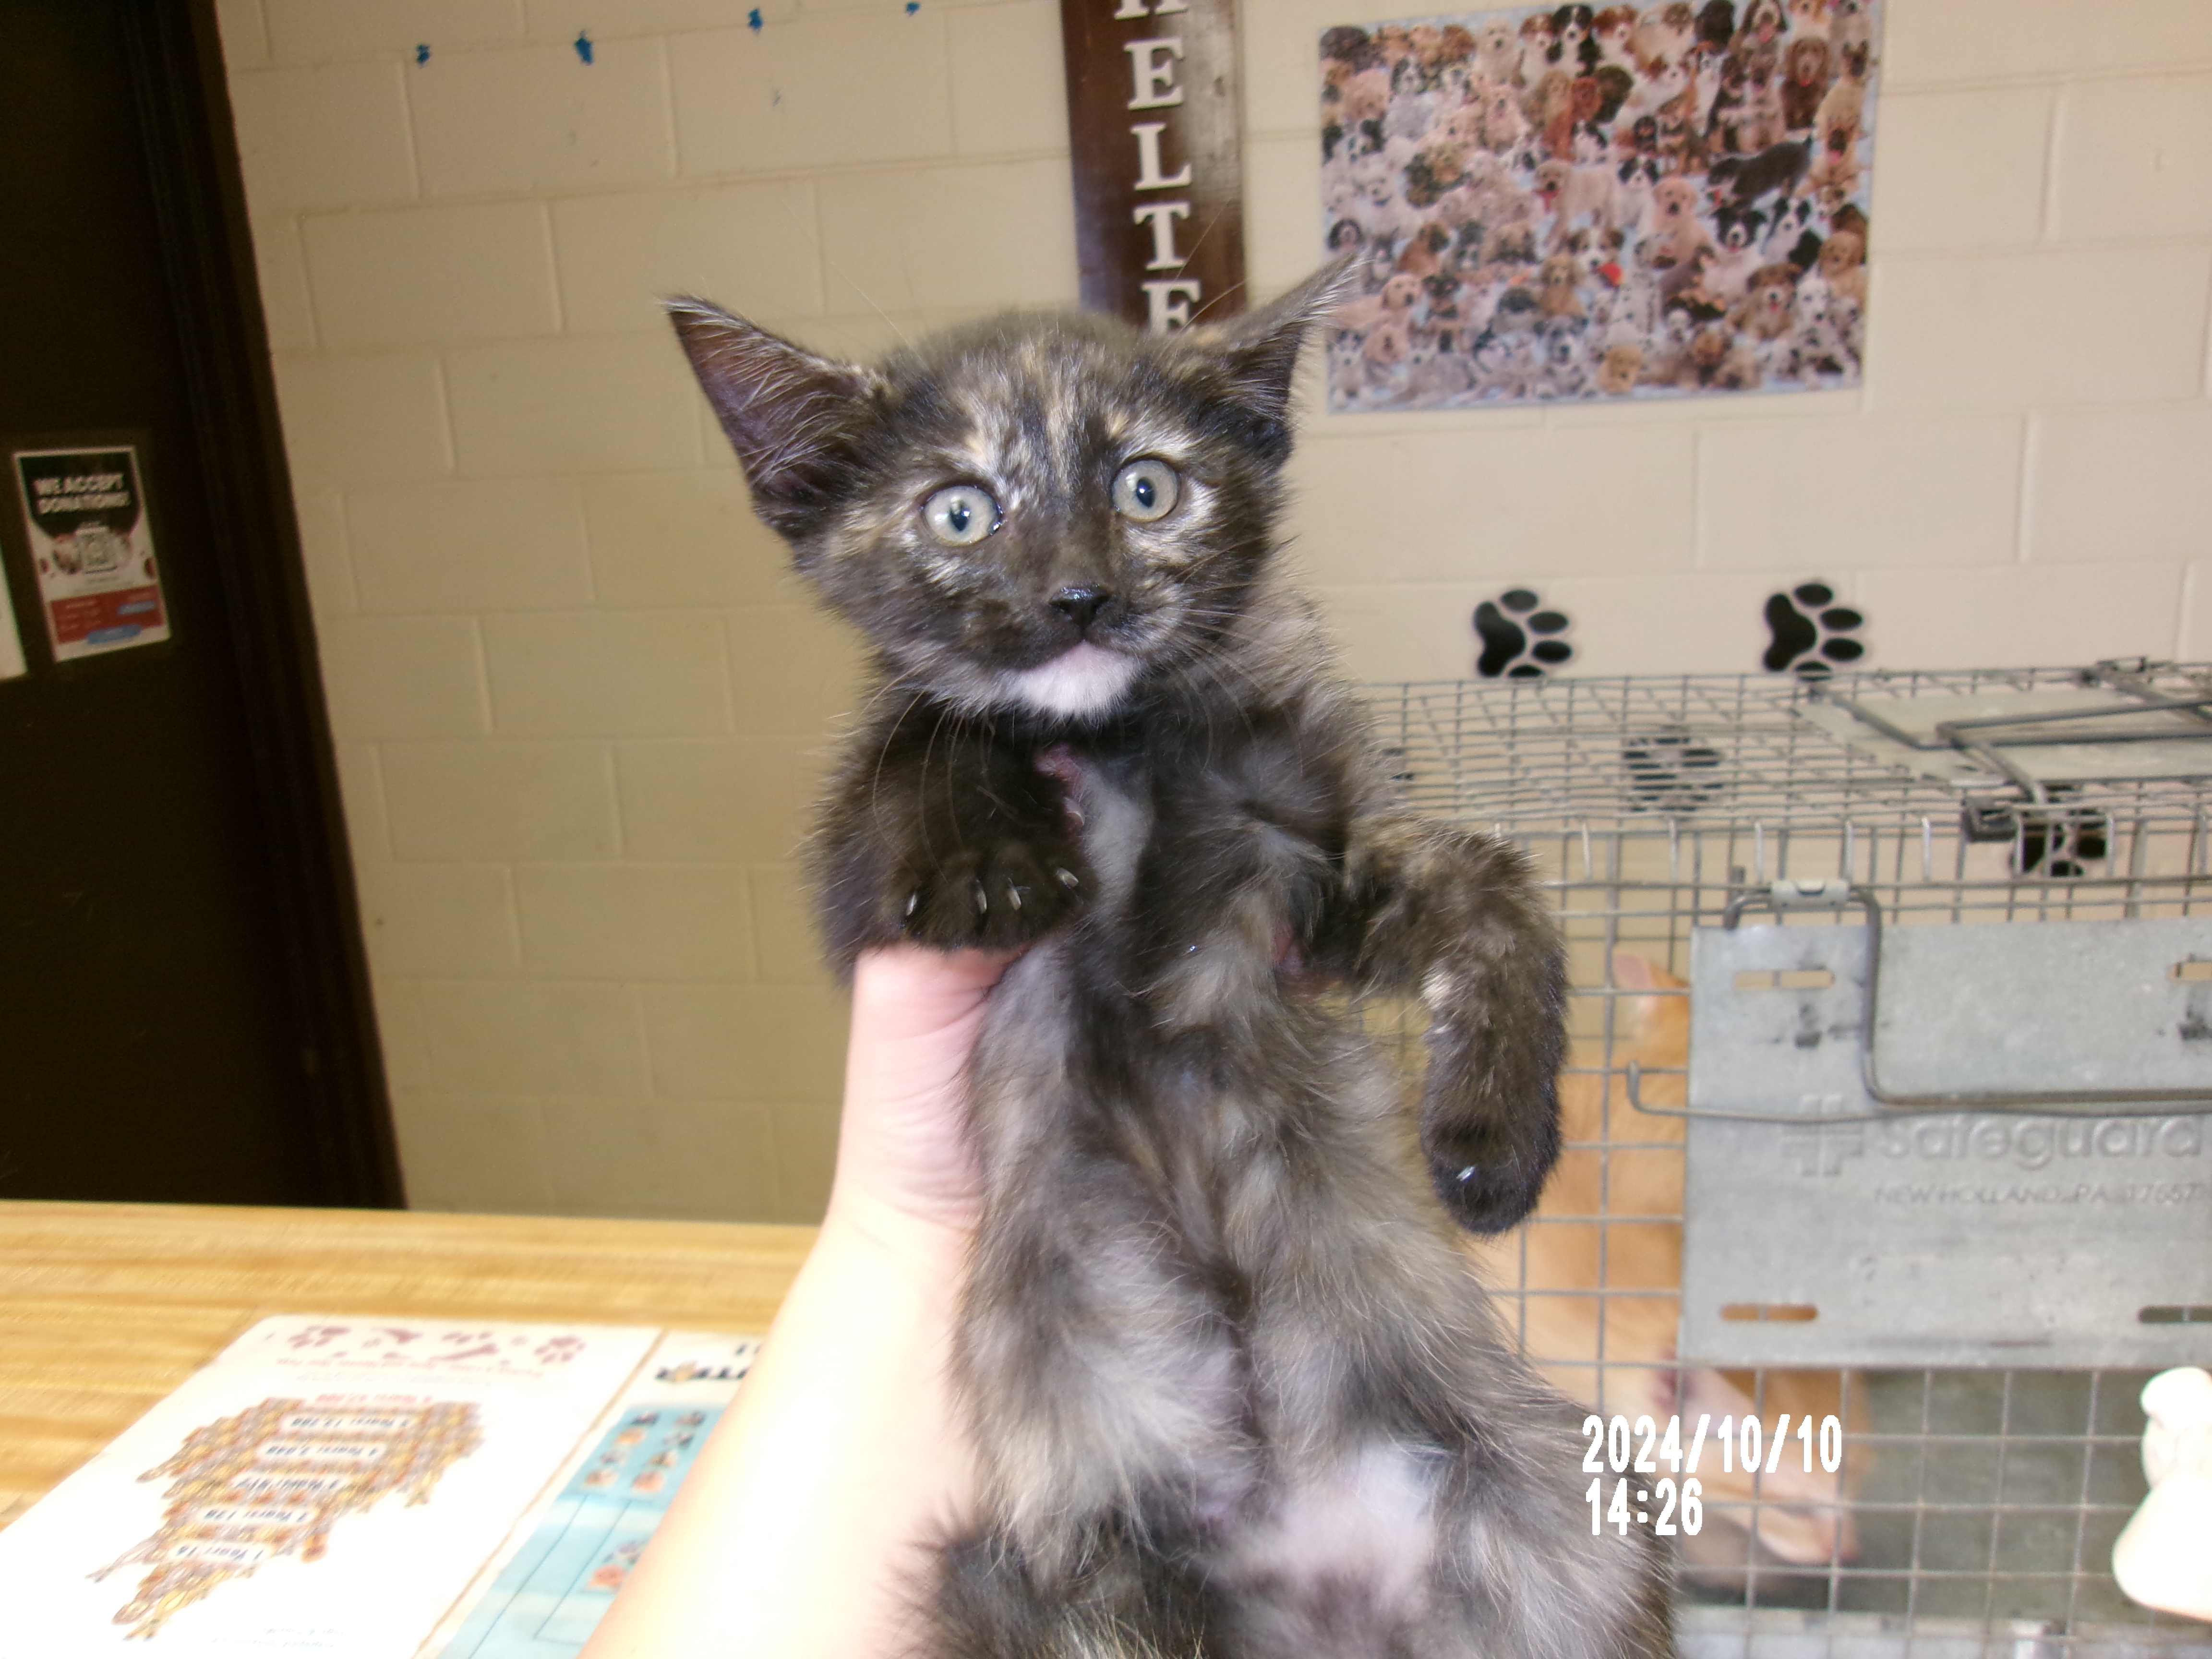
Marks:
<point>2163,1558</point>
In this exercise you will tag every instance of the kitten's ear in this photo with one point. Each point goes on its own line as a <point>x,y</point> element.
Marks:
<point>1260,349</point>
<point>788,413</point>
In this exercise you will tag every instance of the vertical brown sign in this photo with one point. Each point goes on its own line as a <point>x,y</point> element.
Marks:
<point>1152,115</point>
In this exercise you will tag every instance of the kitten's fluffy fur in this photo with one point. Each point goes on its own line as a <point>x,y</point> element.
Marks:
<point>1233,1393</point>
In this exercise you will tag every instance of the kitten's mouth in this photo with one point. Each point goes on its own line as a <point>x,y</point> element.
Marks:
<point>1084,680</point>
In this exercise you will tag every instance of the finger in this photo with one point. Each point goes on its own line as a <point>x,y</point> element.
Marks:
<point>906,992</point>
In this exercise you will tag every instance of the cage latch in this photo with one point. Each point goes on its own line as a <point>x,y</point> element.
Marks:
<point>1985,820</point>
<point>1831,894</point>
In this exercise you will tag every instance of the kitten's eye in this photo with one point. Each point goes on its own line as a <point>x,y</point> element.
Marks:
<point>1145,490</point>
<point>961,515</point>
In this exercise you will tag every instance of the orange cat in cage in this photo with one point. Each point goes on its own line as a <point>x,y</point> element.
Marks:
<point>1582,1270</point>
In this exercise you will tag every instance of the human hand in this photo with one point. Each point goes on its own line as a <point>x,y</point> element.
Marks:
<point>803,1528</point>
<point>902,1147</point>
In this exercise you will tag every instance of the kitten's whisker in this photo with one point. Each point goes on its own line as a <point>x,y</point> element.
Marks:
<point>921,783</point>
<point>837,270</point>
<point>1226,293</point>
<point>1198,242</point>
<point>890,735</point>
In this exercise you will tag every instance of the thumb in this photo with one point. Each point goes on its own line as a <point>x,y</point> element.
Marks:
<point>903,1140</point>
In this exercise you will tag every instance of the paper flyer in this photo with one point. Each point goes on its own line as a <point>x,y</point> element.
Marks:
<point>546,1591</point>
<point>84,512</point>
<point>326,1485</point>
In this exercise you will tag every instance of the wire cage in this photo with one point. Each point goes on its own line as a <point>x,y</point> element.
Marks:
<point>1973,1511</point>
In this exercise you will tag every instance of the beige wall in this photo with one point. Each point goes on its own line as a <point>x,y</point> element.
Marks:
<point>578,707</point>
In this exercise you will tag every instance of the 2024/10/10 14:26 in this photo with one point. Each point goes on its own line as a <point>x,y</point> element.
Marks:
<point>1611,1442</point>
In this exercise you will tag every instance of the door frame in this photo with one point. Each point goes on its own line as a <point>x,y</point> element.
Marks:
<point>191,156</point>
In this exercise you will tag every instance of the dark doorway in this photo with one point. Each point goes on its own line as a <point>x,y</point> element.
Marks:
<point>184,1012</point>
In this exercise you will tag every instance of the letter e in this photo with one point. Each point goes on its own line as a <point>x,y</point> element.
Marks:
<point>1152,72</point>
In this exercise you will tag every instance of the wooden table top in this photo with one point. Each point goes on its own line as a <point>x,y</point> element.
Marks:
<point>104,1308</point>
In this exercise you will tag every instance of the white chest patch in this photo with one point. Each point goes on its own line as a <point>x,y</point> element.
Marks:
<point>1083,680</point>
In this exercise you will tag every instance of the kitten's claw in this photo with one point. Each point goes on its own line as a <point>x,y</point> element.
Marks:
<point>998,897</point>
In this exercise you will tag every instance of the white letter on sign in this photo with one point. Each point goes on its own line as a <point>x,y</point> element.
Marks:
<point>1152,72</point>
<point>1167,304</point>
<point>1147,135</point>
<point>1161,216</point>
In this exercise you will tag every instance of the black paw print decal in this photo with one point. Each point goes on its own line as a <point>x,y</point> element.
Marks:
<point>1519,641</point>
<point>1811,646</point>
<point>1670,771</point>
<point>2062,843</point>
<point>2052,840</point>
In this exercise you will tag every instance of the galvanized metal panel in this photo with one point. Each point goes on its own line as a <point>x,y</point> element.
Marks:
<point>1967,1238</point>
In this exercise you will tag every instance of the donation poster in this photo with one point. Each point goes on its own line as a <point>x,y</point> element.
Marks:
<point>92,548</point>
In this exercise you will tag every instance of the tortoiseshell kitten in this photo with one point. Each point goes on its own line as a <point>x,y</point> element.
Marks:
<point>1232,1391</point>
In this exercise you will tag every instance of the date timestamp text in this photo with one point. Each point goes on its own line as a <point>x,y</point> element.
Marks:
<point>1668,1505</point>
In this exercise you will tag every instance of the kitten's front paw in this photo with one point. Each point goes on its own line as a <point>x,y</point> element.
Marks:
<point>993,899</point>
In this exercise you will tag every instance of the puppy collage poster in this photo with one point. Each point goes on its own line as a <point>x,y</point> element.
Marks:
<point>1567,202</point>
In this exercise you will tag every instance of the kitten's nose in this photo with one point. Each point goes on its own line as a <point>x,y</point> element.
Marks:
<point>1080,604</point>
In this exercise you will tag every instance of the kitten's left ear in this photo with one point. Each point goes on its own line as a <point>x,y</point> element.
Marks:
<point>1259,349</point>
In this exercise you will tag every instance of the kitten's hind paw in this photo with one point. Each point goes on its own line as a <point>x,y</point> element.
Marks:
<point>1488,1185</point>
<point>996,899</point>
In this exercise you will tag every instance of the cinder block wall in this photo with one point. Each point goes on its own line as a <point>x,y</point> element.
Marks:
<point>579,706</point>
